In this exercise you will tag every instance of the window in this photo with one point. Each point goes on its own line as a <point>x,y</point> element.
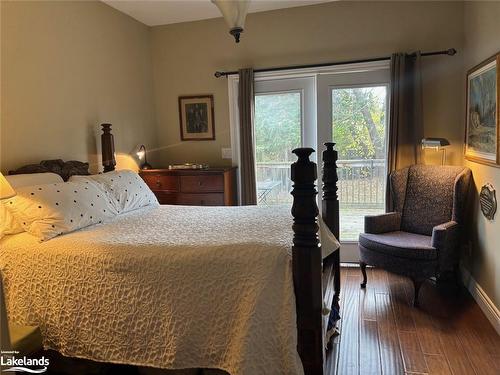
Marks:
<point>359,130</point>
<point>278,123</point>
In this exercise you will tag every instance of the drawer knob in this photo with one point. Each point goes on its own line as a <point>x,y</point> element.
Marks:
<point>200,183</point>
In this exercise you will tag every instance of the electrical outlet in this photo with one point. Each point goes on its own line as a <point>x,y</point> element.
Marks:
<point>227,153</point>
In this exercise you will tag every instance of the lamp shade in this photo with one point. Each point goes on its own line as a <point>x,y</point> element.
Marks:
<point>6,190</point>
<point>435,142</point>
<point>234,12</point>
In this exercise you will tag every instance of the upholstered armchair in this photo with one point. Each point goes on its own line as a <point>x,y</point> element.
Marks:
<point>420,239</point>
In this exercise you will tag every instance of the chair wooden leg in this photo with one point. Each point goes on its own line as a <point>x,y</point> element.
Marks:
<point>362,265</point>
<point>416,286</point>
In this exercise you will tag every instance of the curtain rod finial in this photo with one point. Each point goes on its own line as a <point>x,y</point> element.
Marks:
<point>452,51</point>
<point>218,74</point>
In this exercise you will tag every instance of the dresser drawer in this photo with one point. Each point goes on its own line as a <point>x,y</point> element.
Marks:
<point>164,197</point>
<point>162,182</point>
<point>202,183</point>
<point>201,199</point>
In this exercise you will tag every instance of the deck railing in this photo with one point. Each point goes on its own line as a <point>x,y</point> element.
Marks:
<point>361,182</point>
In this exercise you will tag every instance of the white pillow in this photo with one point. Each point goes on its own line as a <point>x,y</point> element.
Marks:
<point>127,187</point>
<point>20,180</point>
<point>8,224</point>
<point>49,210</point>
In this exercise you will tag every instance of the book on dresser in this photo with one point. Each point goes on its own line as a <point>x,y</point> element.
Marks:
<point>193,187</point>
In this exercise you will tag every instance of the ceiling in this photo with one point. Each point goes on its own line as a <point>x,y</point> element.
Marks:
<point>164,12</point>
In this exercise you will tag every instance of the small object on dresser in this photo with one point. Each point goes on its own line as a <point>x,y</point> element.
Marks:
<point>488,201</point>
<point>188,166</point>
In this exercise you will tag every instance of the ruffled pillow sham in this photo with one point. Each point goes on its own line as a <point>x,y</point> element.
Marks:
<point>47,211</point>
<point>127,187</point>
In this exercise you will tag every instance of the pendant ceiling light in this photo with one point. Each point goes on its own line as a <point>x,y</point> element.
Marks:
<point>234,12</point>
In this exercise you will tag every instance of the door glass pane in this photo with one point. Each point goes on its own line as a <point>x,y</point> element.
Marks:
<point>359,121</point>
<point>278,118</point>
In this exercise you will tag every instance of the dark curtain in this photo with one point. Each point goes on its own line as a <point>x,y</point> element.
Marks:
<point>406,128</point>
<point>247,149</point>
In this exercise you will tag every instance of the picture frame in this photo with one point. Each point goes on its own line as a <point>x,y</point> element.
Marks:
<point>196,116</point>
<point>482,124</point>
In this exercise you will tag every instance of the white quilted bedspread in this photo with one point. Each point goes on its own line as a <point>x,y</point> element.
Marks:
<point>169,287</point>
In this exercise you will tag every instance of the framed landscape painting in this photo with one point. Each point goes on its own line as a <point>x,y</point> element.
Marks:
<point>196,115</point>
<point>482,124</point>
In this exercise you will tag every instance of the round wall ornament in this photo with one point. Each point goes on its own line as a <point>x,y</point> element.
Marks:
<point>488,201</point>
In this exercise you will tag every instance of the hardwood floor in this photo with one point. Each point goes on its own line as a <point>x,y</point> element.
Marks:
<point>382,333</point>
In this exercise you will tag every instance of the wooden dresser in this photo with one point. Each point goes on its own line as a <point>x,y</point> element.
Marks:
<point>202,187</point>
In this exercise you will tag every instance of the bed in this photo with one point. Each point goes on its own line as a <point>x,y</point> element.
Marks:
<point>173,277</point>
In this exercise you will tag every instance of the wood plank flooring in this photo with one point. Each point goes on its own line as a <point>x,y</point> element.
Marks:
<point>382,333</point>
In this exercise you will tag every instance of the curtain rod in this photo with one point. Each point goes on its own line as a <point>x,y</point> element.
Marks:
<point>449,52</point>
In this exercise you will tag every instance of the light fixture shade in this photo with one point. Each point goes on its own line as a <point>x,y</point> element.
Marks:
<point>6,190</point>
<point>233,11</point>
<point>434,142</point>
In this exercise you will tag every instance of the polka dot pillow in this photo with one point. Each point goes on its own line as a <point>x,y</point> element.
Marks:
<point>127,187</point>
<point>50,210</point>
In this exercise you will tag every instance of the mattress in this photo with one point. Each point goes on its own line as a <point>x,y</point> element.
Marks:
<point>168,287</point>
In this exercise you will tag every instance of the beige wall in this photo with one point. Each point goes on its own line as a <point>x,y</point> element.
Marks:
<point>482,39</point>
<point>66,67</point>
<point>186,55</point>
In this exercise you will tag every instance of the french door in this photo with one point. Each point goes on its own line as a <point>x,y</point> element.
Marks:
<point>353,109</point>
<point>348,106</point>
<point>285,118</point>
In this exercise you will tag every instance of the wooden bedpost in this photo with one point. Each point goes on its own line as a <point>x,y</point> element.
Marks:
<point>307,263</point>
<point>330,208</point>
<point>108,148</point>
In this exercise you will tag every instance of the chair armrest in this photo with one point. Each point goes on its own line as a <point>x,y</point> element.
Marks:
<point>384,223</point>
<point>445,240</point>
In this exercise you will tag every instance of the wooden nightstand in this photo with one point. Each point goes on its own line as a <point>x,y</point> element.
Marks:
<point>200,187</point>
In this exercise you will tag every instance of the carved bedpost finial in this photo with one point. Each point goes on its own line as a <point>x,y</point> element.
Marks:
<point>304,209</point>
<point>108,148</point>
<point>330,206</point>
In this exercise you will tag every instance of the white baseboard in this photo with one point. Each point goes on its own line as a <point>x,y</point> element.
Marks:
<point>485,303</point>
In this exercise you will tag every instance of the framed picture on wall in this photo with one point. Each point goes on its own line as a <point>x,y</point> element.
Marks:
<point>196,114</point>
<point>482,131</point>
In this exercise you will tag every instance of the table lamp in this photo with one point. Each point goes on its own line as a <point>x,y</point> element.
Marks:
<point>6,190</point>
<point>141,154</point>
<point>437,144</point>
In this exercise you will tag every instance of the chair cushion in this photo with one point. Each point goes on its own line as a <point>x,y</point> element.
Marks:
<point>400,244</point>
<point>429,197</point>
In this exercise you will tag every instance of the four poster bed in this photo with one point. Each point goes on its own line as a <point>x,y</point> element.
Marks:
<point>316,278</point>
